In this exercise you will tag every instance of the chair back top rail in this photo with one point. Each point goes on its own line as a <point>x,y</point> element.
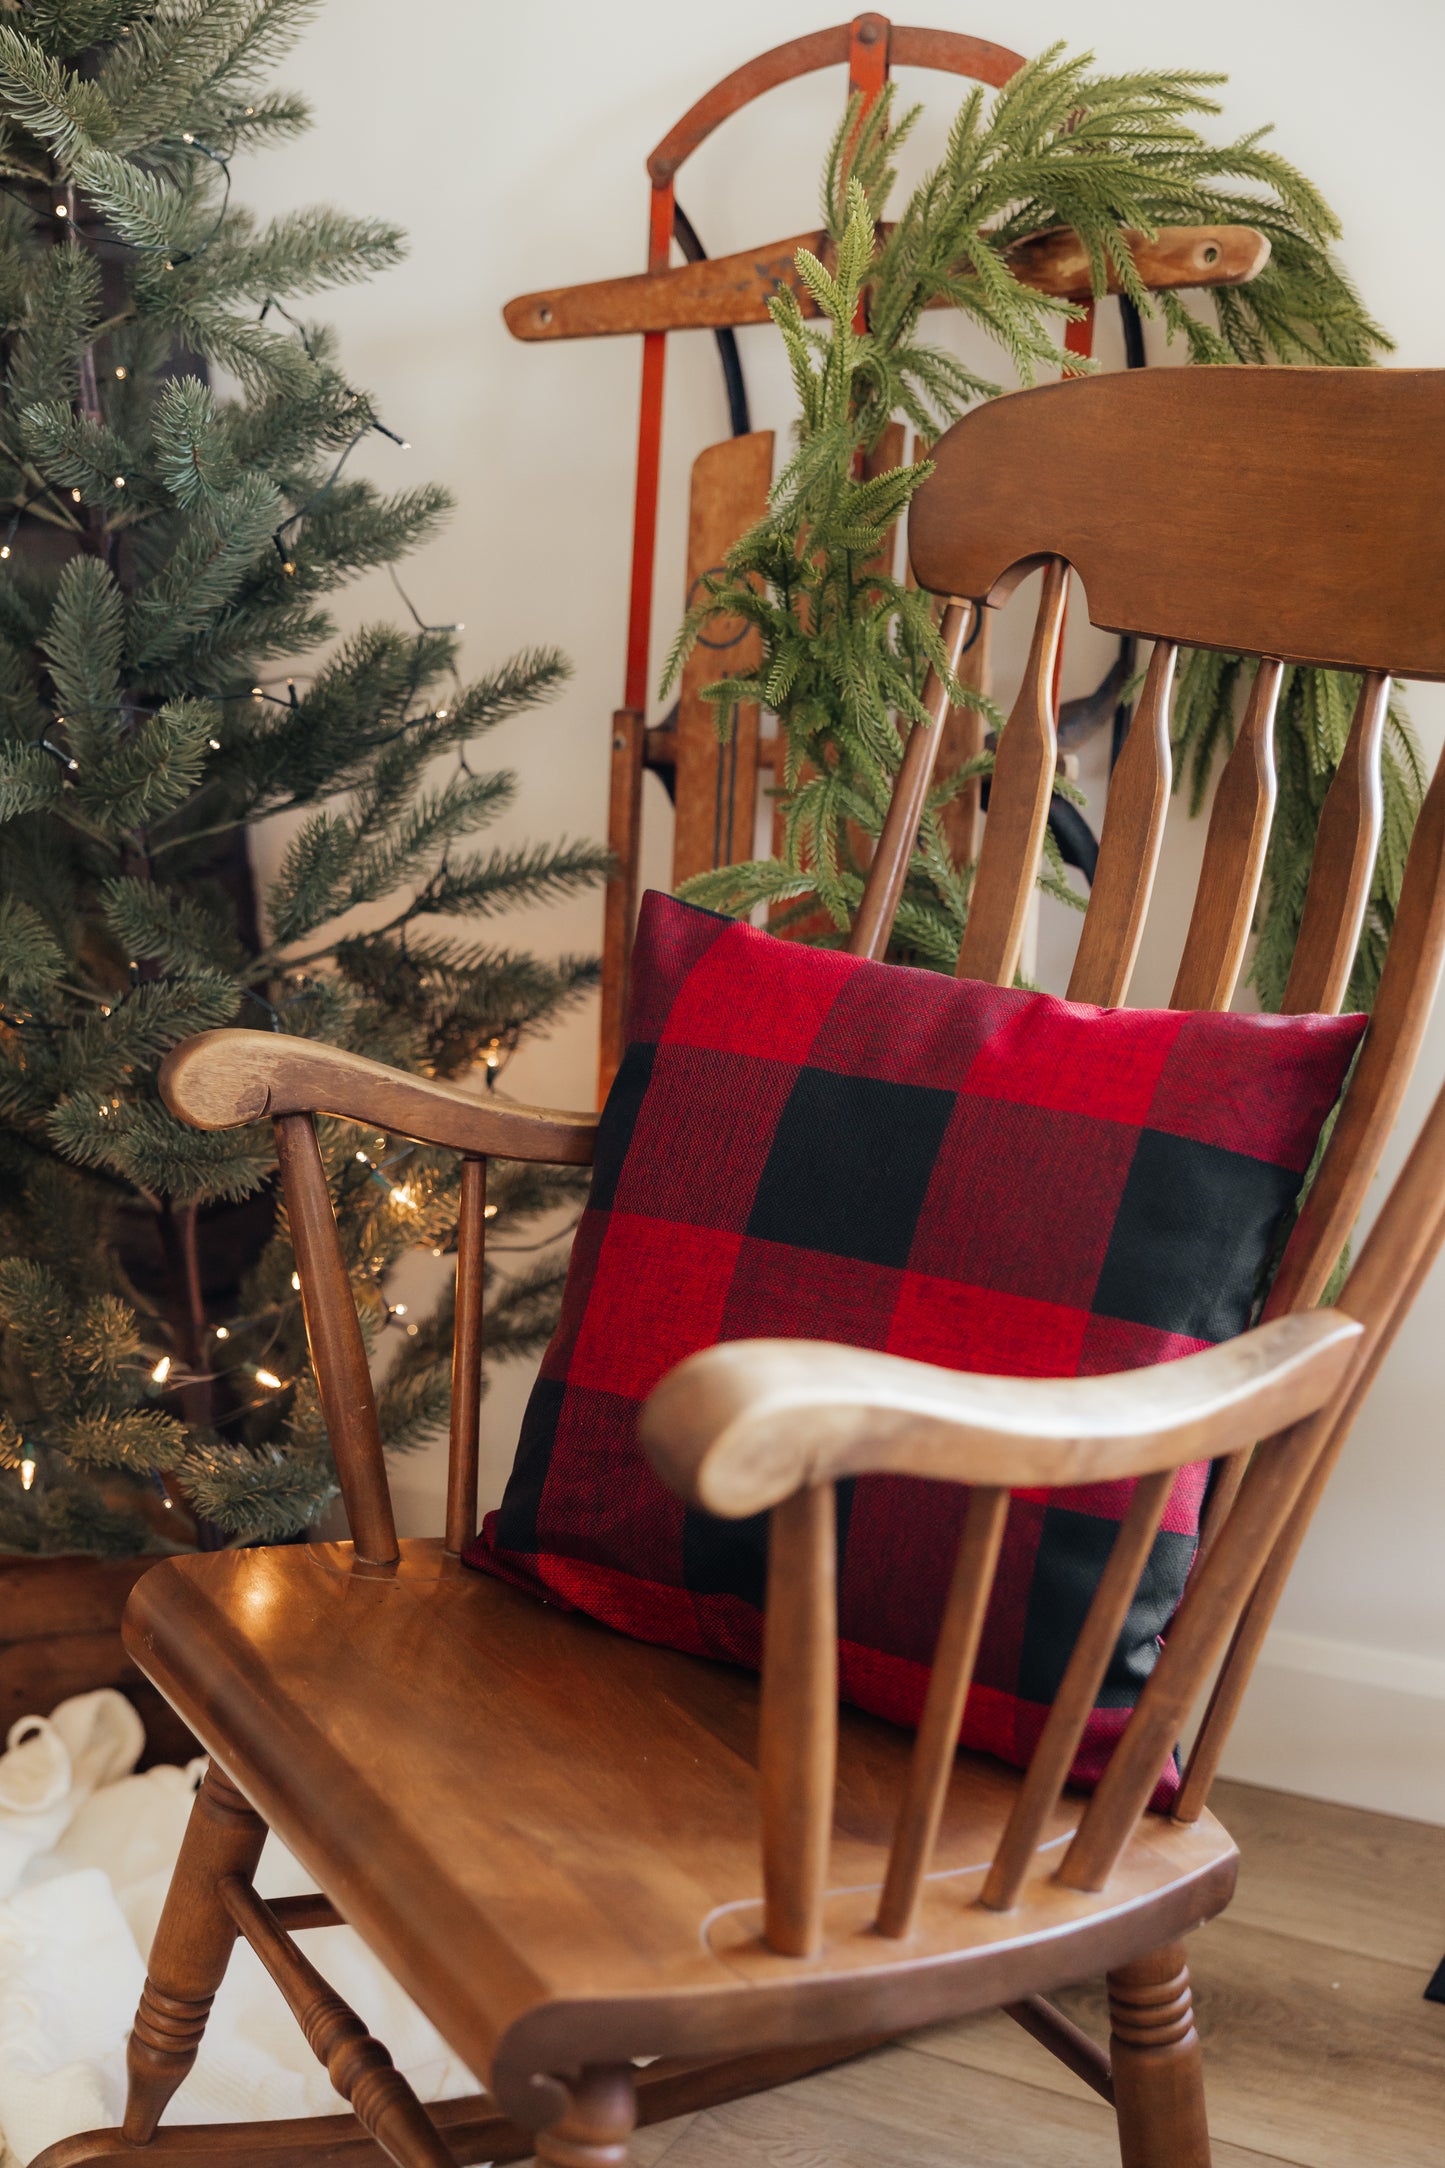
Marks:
<point>1292,513</point>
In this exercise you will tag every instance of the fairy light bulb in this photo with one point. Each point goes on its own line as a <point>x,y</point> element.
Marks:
<point>223,1332</point>
<point>161,1371</point>
<point>269,1379</point>
<point>62,210</point>
<point>75,496</point>
<point>399,1309</point>
<point>27,1469</point>
<point>488,1212</point>
<point>296,1282</point>
<point>120,481</point>
<point>4,549</point>
<point>403,1197</point>
<point>122,373</point>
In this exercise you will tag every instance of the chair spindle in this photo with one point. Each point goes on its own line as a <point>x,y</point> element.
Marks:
<point>333,1334</point>
<point>1233,855</point>
<point>1130,844</point>
<point>1387,1058</point>
<point>1346,841</point>
<point>1217,1592</point>
<point>1334,912</point>
<point>798,1725</point>
<point>1018,802</point>
<point>465,1439</point>
<point>889,868</point>
<point>1073,1704</point>
<point>948,1684</point>
<point>1395,1257</point>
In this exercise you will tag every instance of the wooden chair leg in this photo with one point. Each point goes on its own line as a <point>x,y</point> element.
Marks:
<point>595,2130</point>
<point>192,1947</point>
<point>1157,2066</point>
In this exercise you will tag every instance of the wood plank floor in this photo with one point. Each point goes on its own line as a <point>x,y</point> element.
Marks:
<point>1320,2051</point>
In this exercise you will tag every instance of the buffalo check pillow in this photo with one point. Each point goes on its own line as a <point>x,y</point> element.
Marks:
<point>803,1145</point>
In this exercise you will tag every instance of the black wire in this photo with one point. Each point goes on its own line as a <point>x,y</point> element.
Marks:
<point>739,417</point>
<point>1134,358</point>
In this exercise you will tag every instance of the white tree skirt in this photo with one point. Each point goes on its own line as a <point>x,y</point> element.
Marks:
<point>86,1851</point>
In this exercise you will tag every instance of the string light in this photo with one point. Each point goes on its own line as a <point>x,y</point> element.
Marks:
<point>403,1198</point>
<point>161,1371</point>
<point>399,1309</point>
<point>296,1282</point>
<point>223,1332</point>
<point>4,549</point>
<point>214,744</point>
<point>27,1468</point>
<point>122,373</point>
<point>269,1379</point>
<point>120,481</point>
<point>62,210</point>
<point>75,496</point>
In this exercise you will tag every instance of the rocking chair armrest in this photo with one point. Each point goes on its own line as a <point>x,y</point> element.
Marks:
<point>738,1428</point>
<point>224,1079</point>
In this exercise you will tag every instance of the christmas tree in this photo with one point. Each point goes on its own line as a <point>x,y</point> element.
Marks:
<point>166,550</point>
<point>843,646</point>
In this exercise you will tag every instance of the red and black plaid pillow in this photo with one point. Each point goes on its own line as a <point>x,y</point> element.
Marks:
<point>801,1145</point>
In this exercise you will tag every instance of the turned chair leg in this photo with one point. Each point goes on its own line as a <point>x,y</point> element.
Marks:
<point>598,2123</point>
<point>1158,2070</point>
<point>192,1947</point>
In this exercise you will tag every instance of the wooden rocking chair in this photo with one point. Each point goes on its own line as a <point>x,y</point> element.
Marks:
<point>573,1850</point>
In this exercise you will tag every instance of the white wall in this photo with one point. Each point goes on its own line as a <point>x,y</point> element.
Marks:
<point>510,141</point>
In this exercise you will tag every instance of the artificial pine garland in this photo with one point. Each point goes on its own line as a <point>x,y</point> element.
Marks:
<point>843,646</point>
<point>161,546</point>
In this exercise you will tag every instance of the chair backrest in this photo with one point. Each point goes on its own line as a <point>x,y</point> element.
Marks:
<point>1288,514</point>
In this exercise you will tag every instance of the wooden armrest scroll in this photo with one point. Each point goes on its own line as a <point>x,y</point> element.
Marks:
<point>740,1427</point>
<point>224,1079</point>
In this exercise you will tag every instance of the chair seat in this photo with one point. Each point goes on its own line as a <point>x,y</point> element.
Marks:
<point>569,1820</point>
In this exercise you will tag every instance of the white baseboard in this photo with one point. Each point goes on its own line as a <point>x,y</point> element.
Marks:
<point>1336,1720</point>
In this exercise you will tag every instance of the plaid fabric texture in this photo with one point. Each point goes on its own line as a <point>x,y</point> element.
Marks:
<point>801,1145</point>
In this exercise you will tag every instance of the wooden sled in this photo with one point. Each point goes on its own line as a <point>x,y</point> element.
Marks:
<point>715,787</point>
